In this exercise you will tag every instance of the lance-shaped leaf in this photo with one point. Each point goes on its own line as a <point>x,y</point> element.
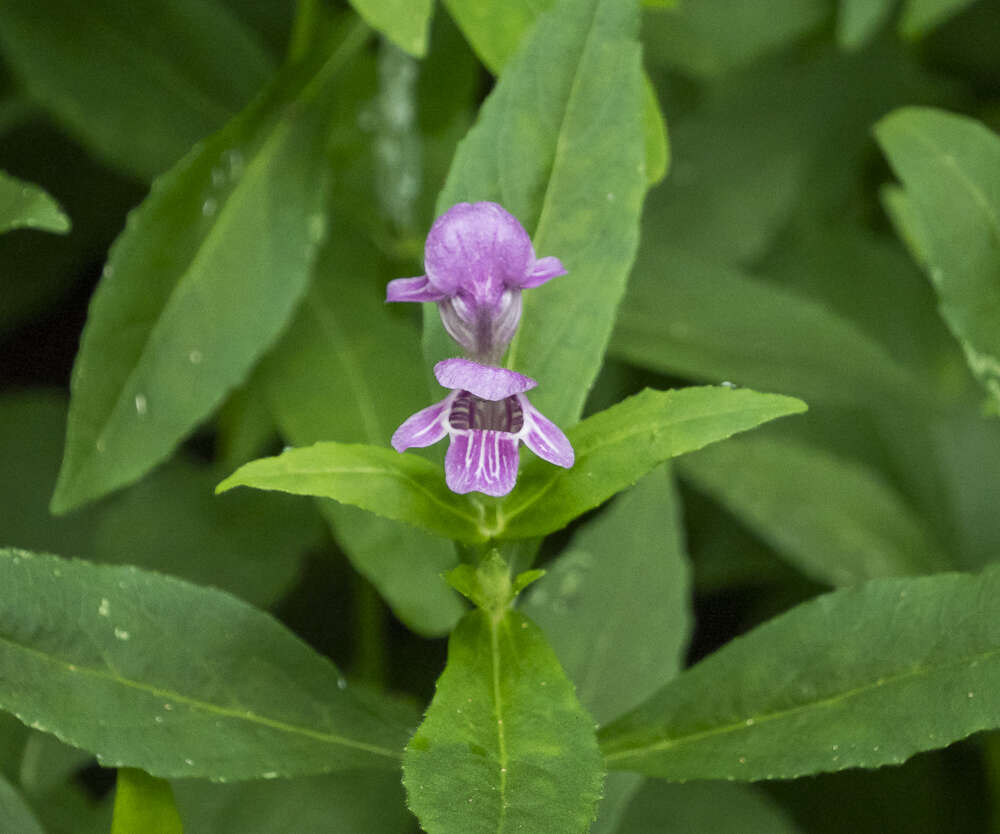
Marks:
<point>348,369</point>
<point>618,446</point>
<point>144,803</point>
<point>151,672</point>
<point>401,487</point>
<point>705,808</point>
<point>504,746</point>
<point>15,813</point>
<point>613,449</point>
<point>559,144</point>
<point>629,560</point>
<point>205,275</point>
<point>496,28</point>
<point>404,22</point>
<point>950,169</point>
<point>862,677</point>
<point>836,520</point>
<point>686,315</point>
<point>26,206</point>
<point>137,84</point>
<point>359,802</point>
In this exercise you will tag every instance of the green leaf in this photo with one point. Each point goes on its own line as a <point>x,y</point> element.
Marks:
<point>618,446</point>
<point>15,813</point>
<point>144,803</point>
<point>249,544</point>
<point>705,808</point>
<point>837,520</point>
<point>402,487</point>
<point>358,802</point>
<point>496,28</point>
<point>348,369</point>
<point>861,677</point>
<point>950,168</point>
<point>712,37</point>
<point>26,206</point>
<point>921,16</point>
<point>404,22</point>
<point>613,449</point>
<point>536,151</point>
<point>504,746</point>
<point>136,84</point>
<point>686,315</point>
<point>204,277</point>
<point>629,560</point>
<point>858,21</point>
<point>152,672</point>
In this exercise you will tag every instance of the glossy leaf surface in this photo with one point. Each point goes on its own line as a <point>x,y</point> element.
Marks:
<point>504,746</point>
<point>578,192</point>
<point>26,206</point>
<point>199,284</point>
<point>348,369</point>
<point>838,521</point>
<point>861,677</point>
<point>404,22</point>
<point>950,169</point>
<point>152,672</point>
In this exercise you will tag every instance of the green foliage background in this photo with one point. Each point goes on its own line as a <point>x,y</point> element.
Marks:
<point>202,202</point>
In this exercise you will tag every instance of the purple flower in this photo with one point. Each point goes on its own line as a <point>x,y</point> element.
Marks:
<point>487,417</point>
<point>478,259</point>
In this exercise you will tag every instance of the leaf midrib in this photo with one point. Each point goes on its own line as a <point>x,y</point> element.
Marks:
<point>557,156</point>
<point>205,706</point>
<point>830,700</point>
<point>632,430</point>
<point>255,170</point>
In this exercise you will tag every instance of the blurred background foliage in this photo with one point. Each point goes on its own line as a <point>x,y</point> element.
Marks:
<point>767,260</point>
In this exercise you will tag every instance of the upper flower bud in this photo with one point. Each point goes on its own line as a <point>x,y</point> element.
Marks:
<point>478,258</point>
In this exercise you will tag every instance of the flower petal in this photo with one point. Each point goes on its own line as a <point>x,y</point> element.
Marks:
<point>424,428</point>
<point>482,461</point>
<point>412,289</point>
<point>478,247</point>
<point>542,271</point>
<point>544,437</point>
<point>484,381</point>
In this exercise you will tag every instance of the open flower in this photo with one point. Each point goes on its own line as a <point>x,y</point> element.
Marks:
<point>487,417</point>
<point>478,258</point>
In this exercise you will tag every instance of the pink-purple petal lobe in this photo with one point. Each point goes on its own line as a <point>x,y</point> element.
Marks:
<point>425,428</point>
<point>485,381</point>
<point>413,289</point>
<point>543,270</point>
<point>544,437</point>
<point>482,461</point>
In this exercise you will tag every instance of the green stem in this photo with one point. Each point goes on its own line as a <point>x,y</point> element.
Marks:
<point>370,662</point>
<point>304,25</point>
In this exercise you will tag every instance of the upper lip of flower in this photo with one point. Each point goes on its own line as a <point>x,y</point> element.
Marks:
<point>477,258</point>
<point>487,417</point>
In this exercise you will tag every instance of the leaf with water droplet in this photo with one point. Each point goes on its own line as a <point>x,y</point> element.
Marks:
<point>870,675</point>
<point>26,206</point>
<point>227,283</point>
<point>183,682</point>
<point>949,210</point>
<point>523,755</point>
